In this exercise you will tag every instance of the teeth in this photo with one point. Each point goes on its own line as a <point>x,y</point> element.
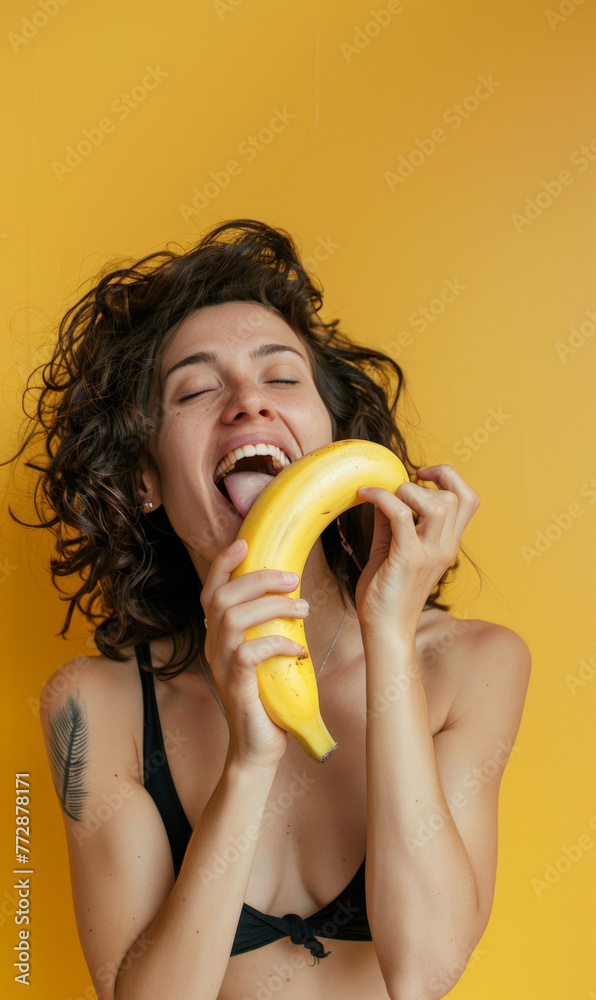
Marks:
<point>280,459</point>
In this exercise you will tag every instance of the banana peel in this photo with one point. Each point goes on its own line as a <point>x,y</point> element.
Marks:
<point>281,528</point>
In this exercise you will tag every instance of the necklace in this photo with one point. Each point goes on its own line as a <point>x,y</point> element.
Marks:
<point>207,671</point>
<point>332,645</point>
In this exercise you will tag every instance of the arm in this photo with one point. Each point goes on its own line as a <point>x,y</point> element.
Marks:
<point>432,808</point>
<point>184,950</point>
<point>142,933</point>
<point>429,891</point>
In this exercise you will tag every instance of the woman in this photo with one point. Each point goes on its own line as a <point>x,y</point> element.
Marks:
<point>205,847</point>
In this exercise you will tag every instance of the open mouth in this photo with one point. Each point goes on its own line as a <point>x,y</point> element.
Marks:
<point>243,474</point>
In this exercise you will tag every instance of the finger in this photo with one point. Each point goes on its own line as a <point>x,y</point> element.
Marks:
<point>248,584</point>
<point>382,498</point>
<point>246,658</point>
<point>447,478</point>
<point>255,651</point>
<point>246,588</point>
<point>221,567</point>
<point>235,621</point>
<point>399,519</point>
<point>436,512</point>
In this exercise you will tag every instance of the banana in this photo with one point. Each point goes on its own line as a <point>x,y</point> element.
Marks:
<point>280,528</point>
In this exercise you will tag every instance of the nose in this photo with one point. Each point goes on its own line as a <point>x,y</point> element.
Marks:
<point>247,400</point>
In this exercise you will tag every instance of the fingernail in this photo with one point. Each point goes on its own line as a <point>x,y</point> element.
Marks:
<point>290,577</point>
<point>237,545</point>
<point>301,606</point>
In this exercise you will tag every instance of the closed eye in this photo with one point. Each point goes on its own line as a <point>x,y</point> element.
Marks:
<point>283,381</point>
<point>192,394</point>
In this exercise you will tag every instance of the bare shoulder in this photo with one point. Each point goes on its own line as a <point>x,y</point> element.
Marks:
<point>488,648</point>
<point>449,641</point>
<point>97,677</point>
<point>100,695</point>
<point>475,660</point>
<point>91,712</point>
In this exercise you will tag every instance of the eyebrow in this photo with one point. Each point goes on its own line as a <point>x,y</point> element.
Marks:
<point>206,357</point>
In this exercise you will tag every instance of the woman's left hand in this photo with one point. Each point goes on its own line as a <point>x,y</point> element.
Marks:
<point>407,559</point>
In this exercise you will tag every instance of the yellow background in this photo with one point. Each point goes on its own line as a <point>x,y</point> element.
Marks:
<point>386,249</point>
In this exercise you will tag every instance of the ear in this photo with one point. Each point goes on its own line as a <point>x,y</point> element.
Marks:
<point>149,483</point>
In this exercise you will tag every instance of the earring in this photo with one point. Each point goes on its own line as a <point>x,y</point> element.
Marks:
<point>148,504</point>
<point>346,545</point>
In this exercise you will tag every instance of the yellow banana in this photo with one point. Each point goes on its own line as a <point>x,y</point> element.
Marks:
<point>281,527</point>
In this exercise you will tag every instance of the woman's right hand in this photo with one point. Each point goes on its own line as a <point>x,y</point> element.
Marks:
<point>231,607</point>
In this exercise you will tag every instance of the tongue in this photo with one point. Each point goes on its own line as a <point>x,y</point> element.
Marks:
<point>244,488</point>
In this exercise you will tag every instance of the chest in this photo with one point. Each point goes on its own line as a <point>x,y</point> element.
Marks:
<point>313,829</point>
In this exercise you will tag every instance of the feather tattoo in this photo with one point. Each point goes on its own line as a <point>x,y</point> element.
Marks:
<point>68,736</point>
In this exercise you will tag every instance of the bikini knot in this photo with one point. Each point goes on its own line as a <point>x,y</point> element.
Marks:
<point>301,933</point>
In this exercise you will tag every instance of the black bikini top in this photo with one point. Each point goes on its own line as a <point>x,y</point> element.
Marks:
<point>344,918</point>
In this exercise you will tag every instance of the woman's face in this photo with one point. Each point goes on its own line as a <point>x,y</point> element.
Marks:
<point>234,374</point>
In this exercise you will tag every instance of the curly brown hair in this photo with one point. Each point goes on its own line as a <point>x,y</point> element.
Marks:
<point>92,413</point>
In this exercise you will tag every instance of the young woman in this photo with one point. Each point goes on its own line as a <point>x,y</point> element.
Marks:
<point>210,857</point>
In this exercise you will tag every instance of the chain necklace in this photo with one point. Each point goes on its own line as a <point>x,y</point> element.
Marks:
<point>332,645</point>
<point>207,669</point>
